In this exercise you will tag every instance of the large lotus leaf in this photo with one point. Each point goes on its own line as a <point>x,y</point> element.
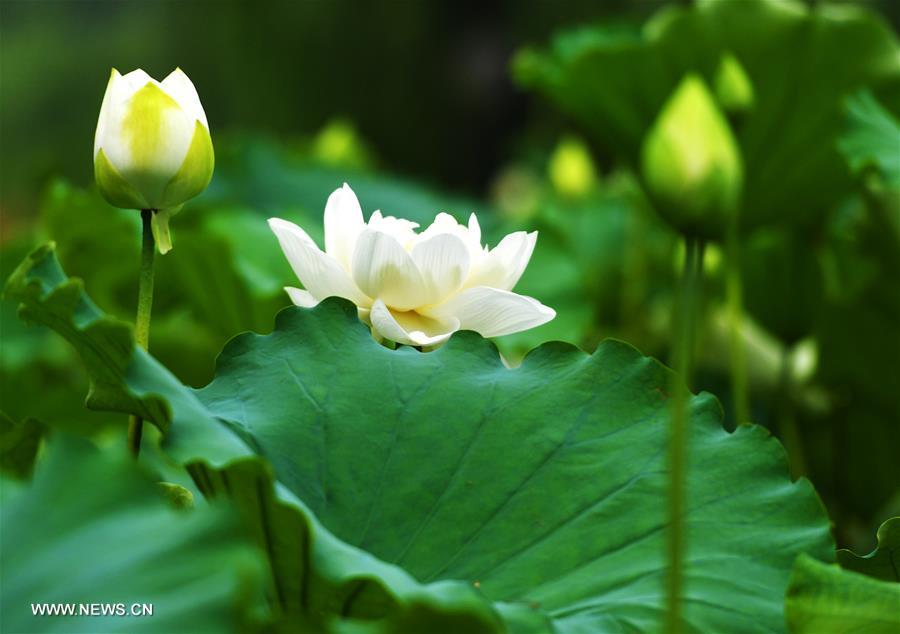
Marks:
<point>317,577</point>
<point>883,562</point>
<point>322,580</point>
<point>801,63</point>
<point>91,528</point>
<point>543,487</point>
<point>825,598</point>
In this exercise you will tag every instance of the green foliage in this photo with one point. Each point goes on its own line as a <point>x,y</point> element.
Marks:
<point>858,331</point>
<point>320,579</point>
<point>396,491</point>
<point>374,459</point>
<point>871,138</point>
<point>91,528</point>
<point>817,259</point>
<point>604,262</point>
<point>105,344</point>
<point>271,179</point>
<point>390,477</point>
<point>32,357</point>
<point>783,281</point>
<point>615,82</point>
<point>19,443</point>
<point>825,598</point>
<point>883,562</point>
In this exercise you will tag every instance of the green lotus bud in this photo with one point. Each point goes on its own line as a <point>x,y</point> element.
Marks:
<point>691,162</point>
<point>152,149</point>
<point>734,90</point>
<point>339,144</point>
<point>571,168</point>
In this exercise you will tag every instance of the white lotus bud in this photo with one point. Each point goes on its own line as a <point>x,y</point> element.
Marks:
<point>152,149</point>
<point>413,288</point>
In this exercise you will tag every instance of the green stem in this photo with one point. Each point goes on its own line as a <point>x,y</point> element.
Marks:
<point>787,425</point>
<point>142,323</point>
<point>687,309</point>
<point>737,353</point>
<point>634,274</point>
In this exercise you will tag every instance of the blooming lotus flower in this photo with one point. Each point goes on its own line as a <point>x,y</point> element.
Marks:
<point>152,149</point>
<point>413,288</point>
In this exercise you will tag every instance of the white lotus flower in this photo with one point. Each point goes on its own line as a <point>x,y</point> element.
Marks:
<point>413,288</point>
<point>152,148</point>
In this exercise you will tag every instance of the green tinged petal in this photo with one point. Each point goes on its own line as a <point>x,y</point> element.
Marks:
<point>144,125</point>
<point>155,130</point>
<point>195,172</point>
<point>159,225</point>
<point>115,189</point>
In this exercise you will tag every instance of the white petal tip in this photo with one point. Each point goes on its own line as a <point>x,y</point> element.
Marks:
<point>301,297</point>
<point>279,223</point>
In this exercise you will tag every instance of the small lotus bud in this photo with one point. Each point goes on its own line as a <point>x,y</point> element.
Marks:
<point>691,162</point>
<point>734,90</point>
<point>152,149</point>
<point>339,144</point>
<point>571,168</point>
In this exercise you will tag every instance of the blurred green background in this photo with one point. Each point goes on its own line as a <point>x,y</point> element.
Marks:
<point>529,113</point>
<point>426,83</point>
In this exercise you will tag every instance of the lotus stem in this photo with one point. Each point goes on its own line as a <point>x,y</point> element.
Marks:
<point>737,354</point>
<point>686,313</point>
<point>142,322</point>
<point>787,425</point>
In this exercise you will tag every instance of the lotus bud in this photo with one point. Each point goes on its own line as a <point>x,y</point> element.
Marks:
<point>338,144</point>
<point>571,168</point>
<point>152,149</point>
<point>734,90</point>
<point>691,162</point>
